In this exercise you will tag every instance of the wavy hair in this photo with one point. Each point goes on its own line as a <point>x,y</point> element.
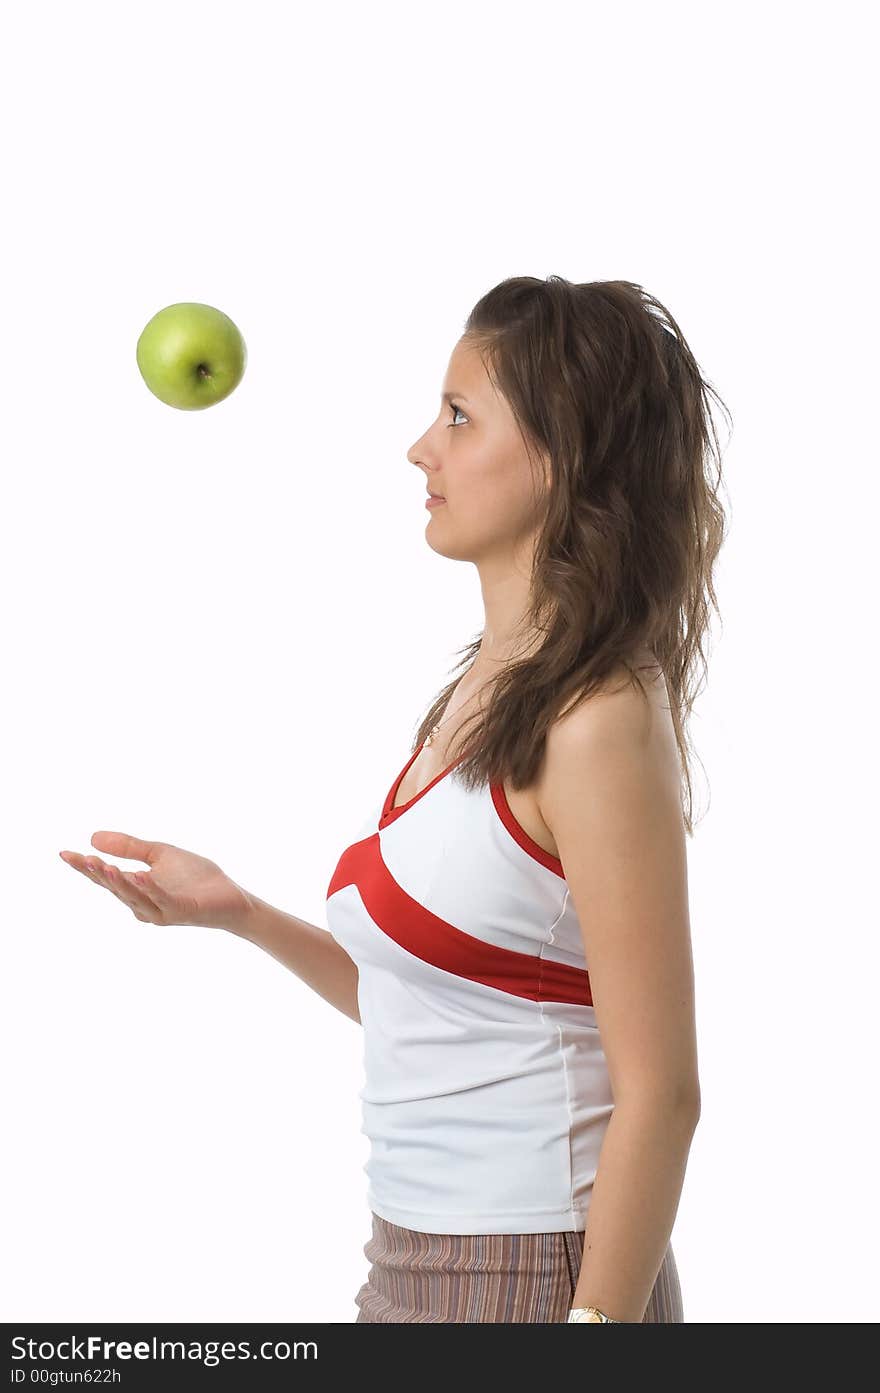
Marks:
<point>603,384</point>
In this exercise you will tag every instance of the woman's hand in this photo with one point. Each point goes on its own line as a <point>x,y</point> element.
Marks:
<point>179,888</point>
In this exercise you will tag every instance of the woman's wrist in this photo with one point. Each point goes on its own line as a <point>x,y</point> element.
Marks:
<point>591,1314</point>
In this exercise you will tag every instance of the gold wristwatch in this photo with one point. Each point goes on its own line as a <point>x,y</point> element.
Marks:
<point>591,1313</point>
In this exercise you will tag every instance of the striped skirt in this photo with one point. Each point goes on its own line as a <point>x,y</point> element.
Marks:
<point>450,1277</point>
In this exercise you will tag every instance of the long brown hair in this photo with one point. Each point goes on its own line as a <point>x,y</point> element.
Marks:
<point>601,382</point>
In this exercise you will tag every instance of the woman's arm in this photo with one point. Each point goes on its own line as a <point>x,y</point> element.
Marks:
<point>610,793</point>
<point>312,953</point>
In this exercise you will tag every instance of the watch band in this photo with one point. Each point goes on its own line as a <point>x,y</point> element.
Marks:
<point>591,1313</point>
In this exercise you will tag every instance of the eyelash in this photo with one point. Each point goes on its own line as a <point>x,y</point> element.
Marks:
<point>453,408</point>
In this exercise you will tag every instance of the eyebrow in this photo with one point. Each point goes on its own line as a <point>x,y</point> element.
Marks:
<point>447,396</point>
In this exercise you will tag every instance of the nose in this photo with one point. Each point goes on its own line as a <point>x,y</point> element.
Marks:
<point>417,456</point>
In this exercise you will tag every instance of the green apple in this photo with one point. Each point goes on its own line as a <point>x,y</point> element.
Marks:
<point>191,356</point>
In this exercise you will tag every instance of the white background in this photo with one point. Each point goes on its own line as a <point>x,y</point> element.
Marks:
<point>221,627</point>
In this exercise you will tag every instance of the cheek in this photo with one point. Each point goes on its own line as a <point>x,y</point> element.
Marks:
<point>502,497</point>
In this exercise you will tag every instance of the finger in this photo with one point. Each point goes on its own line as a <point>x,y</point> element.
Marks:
<point>142,905</point>
<point>116,881</point>
<point>123,885</point>
<point>128,847</point>
<point>80,863</point>
<point>144,884</point>
<point>100,872</point>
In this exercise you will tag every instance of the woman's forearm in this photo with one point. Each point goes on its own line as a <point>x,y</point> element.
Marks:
<point>632,1210</point>
<point>311,952</point>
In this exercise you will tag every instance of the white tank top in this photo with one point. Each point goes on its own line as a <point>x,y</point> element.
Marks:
<point>486,1091</point>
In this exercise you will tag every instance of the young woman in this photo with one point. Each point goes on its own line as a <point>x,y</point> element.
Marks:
<point>511,924</point>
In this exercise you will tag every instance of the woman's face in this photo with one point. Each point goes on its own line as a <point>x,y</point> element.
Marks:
<point>474,456</point>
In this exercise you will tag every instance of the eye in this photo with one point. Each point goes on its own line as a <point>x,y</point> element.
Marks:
<point>453,408</point>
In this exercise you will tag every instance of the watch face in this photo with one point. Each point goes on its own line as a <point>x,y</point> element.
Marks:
<point>585,1313</point>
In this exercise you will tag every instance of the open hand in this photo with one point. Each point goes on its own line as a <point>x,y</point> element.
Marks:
<point>179,888</point>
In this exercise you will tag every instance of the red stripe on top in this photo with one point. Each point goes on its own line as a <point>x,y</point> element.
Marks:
<point>441,944</point>
<point>519,834</point>
<point>389,812</point>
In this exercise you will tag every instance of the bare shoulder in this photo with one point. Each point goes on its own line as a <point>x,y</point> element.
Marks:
<point>618,710</point>
<point>618,732</point>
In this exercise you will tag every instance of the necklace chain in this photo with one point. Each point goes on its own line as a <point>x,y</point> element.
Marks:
<point>434,729</point>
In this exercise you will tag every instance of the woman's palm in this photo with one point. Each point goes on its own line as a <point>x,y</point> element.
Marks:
<point>179,888</point>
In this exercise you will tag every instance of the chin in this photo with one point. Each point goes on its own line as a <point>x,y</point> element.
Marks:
<point>451,551</point>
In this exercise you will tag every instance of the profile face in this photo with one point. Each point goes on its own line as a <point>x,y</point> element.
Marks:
<point>474,456</point>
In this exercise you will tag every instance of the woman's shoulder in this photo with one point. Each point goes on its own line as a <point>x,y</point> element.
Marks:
<point>618,700</point>
<point>617,735</point>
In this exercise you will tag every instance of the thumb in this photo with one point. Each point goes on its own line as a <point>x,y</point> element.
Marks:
<point>121,844</point>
